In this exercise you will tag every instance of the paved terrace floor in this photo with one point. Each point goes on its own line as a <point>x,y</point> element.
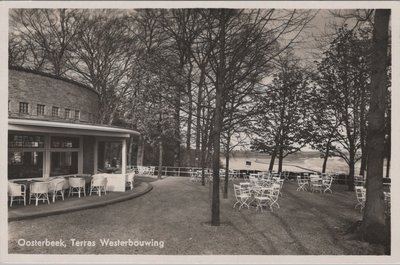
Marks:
<point>19,212</point>
<point>177,212</point>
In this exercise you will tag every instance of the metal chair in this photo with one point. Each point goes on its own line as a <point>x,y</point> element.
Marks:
<point>274,196</point>
<point>77,186</point>
<point>327,183</point>
<point>302,184</point>
<point>263,199</point>
<point>316,183</point>
<point>98,184</point>
<point>16,192</point>
<point>39,191</point>
<point>360,194</point>
<point>242,196</point>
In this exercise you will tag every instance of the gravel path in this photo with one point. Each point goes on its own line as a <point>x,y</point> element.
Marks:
<point>174,219</point>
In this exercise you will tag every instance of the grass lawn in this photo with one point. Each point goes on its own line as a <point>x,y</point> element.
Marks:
<point>177,212</point>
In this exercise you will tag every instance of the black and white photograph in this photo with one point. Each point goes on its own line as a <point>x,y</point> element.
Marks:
<point>199,132</point>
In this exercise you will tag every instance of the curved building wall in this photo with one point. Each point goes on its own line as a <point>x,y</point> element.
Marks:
<point>37,96</point>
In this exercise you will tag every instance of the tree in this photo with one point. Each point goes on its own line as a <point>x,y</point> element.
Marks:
<point>373,225</point>
<point>101,57</point>
<point>239,55</point>
<point>283,124</point>
<point>47,35</point>
<point>344,77</point>
<point>324,122</point>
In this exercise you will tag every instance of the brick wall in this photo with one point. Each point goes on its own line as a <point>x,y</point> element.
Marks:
<point>39,89</point>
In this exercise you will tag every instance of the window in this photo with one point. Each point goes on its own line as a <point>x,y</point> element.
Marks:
<point>64,163</point>
<point>67,113</point>
<point>23,107</point>
<point>55,111</point>
<point>77,114</point>
<point>40,109</point>
<point>25,164</point>
<point>28,141</point>
<point>64,142</point>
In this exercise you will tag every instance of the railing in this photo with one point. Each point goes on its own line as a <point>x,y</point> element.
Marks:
<point>185,172</point>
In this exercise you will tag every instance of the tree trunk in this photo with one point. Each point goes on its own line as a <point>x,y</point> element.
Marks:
<point>272,161</point>
<point>140,151</point>
<point>189,122</point>
<point>350,180</point>
<point>130,151</point>
<point>177,131</point>
<point>216,135</point>
<point>225,195</point>
<point>326,155</point>
<point>280,157</point>
<point>198,115</point>
<point>160,159</point>
<point>363,136</point>
<point>203,160</point>
<point>373,227</point>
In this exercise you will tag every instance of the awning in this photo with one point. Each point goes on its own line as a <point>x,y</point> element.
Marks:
<point>68,128</point>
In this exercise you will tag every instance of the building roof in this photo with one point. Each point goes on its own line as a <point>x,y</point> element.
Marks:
<point>68,128</point>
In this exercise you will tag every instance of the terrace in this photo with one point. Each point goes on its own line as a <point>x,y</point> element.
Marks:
<point>305,224</point>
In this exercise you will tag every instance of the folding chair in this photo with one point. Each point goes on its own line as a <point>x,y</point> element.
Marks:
<point>242,196</point>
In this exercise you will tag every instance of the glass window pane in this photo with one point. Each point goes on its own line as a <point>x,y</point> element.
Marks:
<point>29,141</point>
<point>23,107</point>
<point>109,156</point>
<point>54,112</point>
<point>25,165</point>
<point>64,142</point>
<point>64,163</point>
<point>40,109</point>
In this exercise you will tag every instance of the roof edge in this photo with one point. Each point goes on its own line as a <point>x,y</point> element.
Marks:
<point>79,126</point>
<point>49,75</point>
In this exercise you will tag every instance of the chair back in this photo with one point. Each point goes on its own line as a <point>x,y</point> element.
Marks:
<point>314,178</point>
<point>76,182</point>
<point>56,184</point>
<point>99,181</point>
<point>236,189</point>
<point>14,189</point>
<point>129,177</point>
<point>327,181</point>
<point>299,180</point>
<point>244,185</point>
<point>40,187</point>
<point>360,193</point>
<point>276,188</point>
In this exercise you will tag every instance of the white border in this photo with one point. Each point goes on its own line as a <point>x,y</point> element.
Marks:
<point>144,259</point>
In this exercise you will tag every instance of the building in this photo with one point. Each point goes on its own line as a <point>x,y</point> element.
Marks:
<point>52,130</point>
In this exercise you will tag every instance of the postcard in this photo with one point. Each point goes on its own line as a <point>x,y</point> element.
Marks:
<point>199,132</point>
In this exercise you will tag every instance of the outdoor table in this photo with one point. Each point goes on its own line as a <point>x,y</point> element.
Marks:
<point>27,183</point>
<point>315,180</point>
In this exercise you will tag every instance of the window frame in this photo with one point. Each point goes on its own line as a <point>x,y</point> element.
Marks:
<point>77,115</point>
<point>67,116</point>
<point>40,107</point>
<point>53,111</point>
<point>24,106</point>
